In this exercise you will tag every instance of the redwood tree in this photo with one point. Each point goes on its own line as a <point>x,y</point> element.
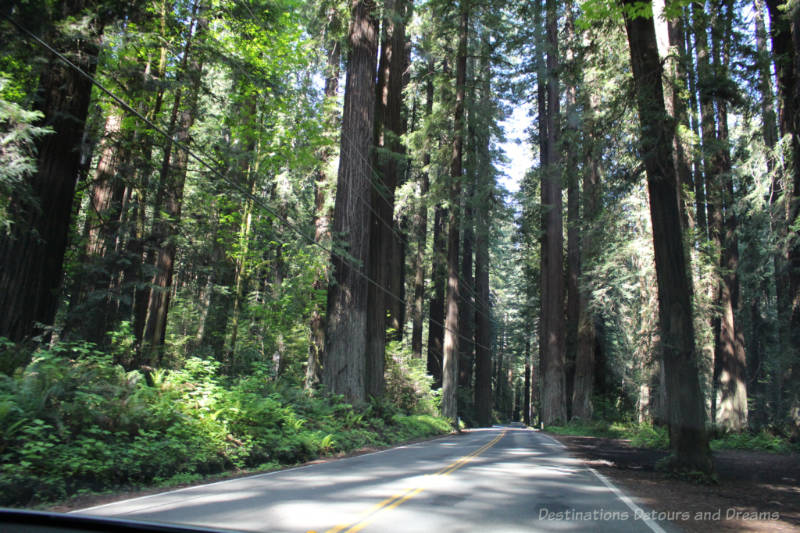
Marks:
<point>172,179</point>
<point>685,409</point>
<point>451,333</point>
<point>345,343</point>
<point>551,336</point>
<point>384,248</point>
<point>32,255</point>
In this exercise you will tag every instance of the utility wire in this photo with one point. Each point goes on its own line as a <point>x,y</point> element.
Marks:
<point>259,201</point>
<point>403,238</point>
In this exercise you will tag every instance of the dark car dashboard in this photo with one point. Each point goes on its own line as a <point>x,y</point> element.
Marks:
<point>19,521</point>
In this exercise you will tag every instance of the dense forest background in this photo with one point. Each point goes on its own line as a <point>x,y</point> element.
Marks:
<point>238,233</point>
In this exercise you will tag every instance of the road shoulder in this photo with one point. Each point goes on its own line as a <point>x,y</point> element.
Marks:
<point>85,501</point>
<point>757,492</point>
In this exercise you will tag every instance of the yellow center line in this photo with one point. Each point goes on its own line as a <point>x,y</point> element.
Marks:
<point>467,458</point>
<point>364,523</point>
<point>366,513</point>
<point>366,517</point>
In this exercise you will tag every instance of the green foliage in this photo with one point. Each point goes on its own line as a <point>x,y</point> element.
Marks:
<point>408,384</point>
<point>599,10</point>
<point>594,428</point>
<point>657,437</point>
<point>763,440</point>
<point>73,421</point>
<point>640,435</point>
<point>647,436</point>
<point>17,154</point>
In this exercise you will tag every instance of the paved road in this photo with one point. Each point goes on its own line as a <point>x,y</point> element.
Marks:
<point>500,479</point>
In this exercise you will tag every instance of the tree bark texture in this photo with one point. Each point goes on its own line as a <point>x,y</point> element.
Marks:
<point>483,198</point>
<point>345,343</point>
<point>688,437</point>
<point>584,358</point>
<point>170,190</point>
<point>526,401</point>
<point>730,365</point>
<point>669,37</point>
<point>92,306</point>
<point>785,29</point>
<point>32,256</point>
<point>467,308</point>
<point>422,230</point>
<point>436,305</point>
<point>139,248</point>
<point>574,234</point>
<point>697,127</point>
<point>384,235</point>
<point>552,288</point>
<point>451,328</point>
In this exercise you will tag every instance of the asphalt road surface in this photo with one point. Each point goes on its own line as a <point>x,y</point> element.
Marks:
<point>499,479</point>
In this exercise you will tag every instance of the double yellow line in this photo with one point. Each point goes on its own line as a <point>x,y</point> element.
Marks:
<point>366,517</point>
<point>467,458</point>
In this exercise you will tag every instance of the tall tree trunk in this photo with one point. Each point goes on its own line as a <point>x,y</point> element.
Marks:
<point>345,342</point>
<point>92,307</point>
<point>32,255</point>
<point>451,329</point>
<point>170,192</point>
<point>730,365</point>
<point>241,277</point>
<point>139,247</point>
<point>436,305</point>
<point>584,358</point>
<point>700,24</point>
<point>467,310</point>
<point>696,125</point>
<point>107,190</point>
<point>757,374</point>
<point>316,346</point>
<point>785,29</point>
<point>710,164</point>
<point>396,128</point>
<point>483,196</point>
<point>422,229</point>
<point>552,288</point>
<point>500,389</point>
<point>383,245</point>
<point>574,235</point>
<point>768,117</point>
<point>483,356</point>
<point>688,437</point>
<point>669,37</point>
<point>526,402</point>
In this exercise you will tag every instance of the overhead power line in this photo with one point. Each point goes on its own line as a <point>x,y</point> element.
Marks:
<point>202,161</point>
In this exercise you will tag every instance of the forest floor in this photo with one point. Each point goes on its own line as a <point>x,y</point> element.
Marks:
<point>752,485</point>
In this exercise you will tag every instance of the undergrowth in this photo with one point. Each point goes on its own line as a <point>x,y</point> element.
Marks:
<point>72,422</point>
<point>640,435</point>
<point>649,436</point>
<point>763,440</point>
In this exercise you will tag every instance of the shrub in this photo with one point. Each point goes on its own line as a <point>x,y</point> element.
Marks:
<point>764,440</point>
<point>74,421</point>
